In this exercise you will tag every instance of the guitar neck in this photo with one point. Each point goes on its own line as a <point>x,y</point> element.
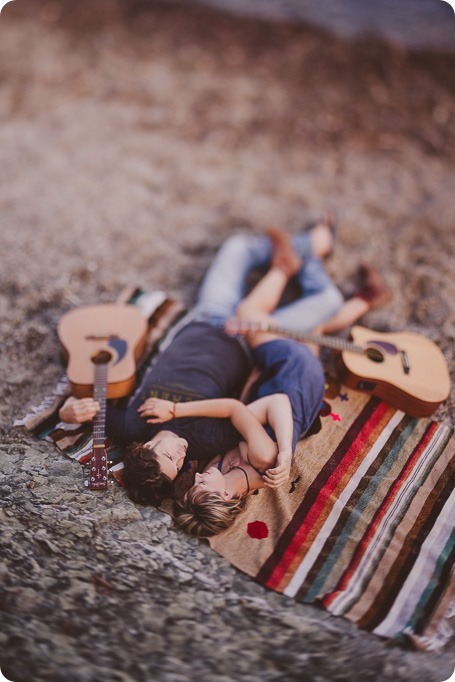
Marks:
<point>100,394</point>
<point>333,342</point>
<point>98,478</point>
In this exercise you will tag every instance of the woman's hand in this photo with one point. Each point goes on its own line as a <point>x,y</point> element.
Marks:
<point>277,476</point>
<point>78,411</point>
<point>158,410</point>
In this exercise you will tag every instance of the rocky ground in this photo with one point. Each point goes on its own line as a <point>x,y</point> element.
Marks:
<point>135,137</point>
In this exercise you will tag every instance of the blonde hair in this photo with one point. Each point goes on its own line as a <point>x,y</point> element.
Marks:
<point>203,514</point>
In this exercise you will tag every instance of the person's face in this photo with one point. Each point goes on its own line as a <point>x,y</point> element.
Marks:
<point>211,480</point>
<point>170,453</point>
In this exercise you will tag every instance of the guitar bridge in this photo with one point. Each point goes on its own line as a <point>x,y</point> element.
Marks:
<point>405,362</point>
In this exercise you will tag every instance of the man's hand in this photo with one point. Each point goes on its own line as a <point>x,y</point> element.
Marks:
<point>158,410</point>
<point>277,476</point>
<point>78,411</point>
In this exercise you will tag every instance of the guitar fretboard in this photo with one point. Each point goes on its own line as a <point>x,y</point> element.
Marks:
<point>99,394</point>
<point>333,342</point>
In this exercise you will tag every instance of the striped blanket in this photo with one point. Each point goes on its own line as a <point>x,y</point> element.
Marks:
<point>365,526</point>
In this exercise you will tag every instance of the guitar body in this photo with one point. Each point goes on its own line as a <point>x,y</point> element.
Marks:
<point>118,330</point>
<point>102,343</point>
<point>405,369</point>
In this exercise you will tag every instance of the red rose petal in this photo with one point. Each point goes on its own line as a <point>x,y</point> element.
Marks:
<point>258,530</point>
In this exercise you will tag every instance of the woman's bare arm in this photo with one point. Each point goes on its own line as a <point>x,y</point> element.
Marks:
<point>260,445</point>
<point>276,410</point>
<point>262,452</point>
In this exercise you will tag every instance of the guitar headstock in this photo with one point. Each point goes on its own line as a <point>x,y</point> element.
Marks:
<point>98,469</point>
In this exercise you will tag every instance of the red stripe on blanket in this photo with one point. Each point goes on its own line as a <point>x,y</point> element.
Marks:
<point>382,511</point>
<point>287,535</point>
<point>351,451</point>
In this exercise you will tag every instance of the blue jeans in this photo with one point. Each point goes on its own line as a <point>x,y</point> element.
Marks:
<point>224,284</point>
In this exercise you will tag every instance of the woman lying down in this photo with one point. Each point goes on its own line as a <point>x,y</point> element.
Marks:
<point>285,402</point>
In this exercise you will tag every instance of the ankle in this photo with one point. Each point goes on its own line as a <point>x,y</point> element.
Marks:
<point>284,257</point>
<point>322,240</point>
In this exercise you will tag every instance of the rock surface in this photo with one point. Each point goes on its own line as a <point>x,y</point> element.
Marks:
<point>135,137</point>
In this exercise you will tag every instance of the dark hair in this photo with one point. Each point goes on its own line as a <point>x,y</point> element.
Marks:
<point>143,478</point>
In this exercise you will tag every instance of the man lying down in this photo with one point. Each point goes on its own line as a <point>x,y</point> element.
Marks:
<point>194,384</point>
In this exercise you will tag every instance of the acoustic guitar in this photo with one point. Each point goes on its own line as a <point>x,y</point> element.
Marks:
<point>404,369</point>
<point>102,344</point>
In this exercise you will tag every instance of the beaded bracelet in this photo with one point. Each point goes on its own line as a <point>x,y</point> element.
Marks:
<point>173,410</point>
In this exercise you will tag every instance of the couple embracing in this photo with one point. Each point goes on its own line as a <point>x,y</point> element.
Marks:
<point>188,406</point>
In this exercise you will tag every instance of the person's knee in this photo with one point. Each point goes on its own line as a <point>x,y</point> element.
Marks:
<point>236,245</point>
<point>333,300</point>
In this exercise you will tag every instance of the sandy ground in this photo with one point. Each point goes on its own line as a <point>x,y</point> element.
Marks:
<point>134,139</point>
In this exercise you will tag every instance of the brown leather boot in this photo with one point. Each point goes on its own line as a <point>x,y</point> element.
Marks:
<point>373,289</point>
<point>283,254</point>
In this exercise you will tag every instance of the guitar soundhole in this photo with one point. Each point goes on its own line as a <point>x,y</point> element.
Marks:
<point>374,354</point>
<point>102,357</point>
